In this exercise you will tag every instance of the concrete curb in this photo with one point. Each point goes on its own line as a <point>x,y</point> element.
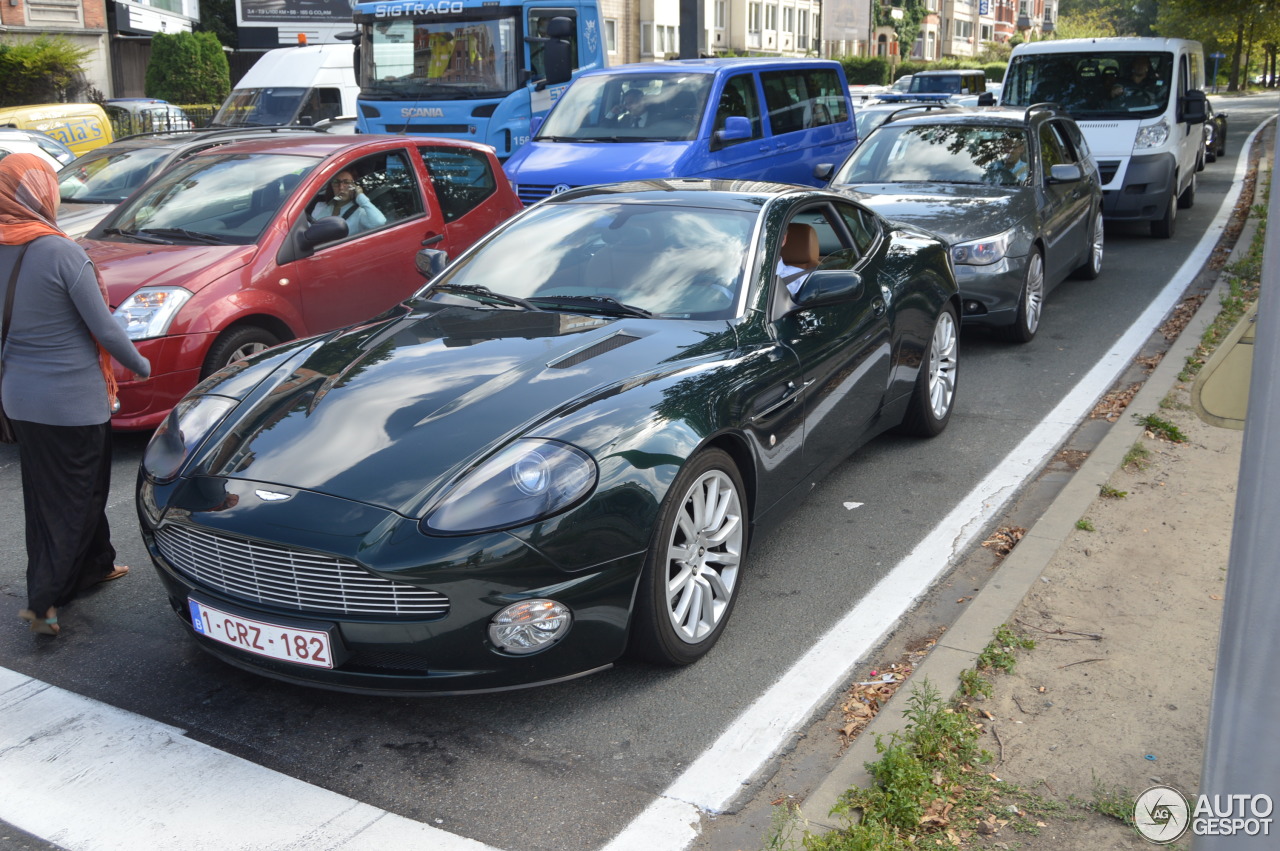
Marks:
<point>958,648</point>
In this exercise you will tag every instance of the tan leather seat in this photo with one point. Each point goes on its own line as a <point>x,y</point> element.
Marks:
<point>801,246</point>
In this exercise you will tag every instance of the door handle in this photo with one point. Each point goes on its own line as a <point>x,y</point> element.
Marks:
<point>790,394</point>
<point>432,240</point>
<point>878,307</point>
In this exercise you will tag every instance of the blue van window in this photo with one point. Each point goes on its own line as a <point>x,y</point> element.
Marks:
<point>803,98</point>
<point>739,98</point>
<point>661,107</point>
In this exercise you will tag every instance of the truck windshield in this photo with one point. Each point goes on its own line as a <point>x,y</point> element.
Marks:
<point>451,59</point>
<point>1093,85</point>
<point>260,107</point>
<point>629,107</point>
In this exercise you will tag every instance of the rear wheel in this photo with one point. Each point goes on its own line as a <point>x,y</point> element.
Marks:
<point>236,344</point>
<point>1187,199</point>
<point>1163,227</point>
<point>1030,302</point>
<point>1092,266</point>
<point>934,395</point>
<point>693,570</point>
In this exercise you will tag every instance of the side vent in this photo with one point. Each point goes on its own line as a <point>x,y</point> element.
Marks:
<point>608,344</point>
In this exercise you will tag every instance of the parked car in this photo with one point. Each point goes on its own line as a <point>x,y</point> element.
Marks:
<point>80,126</point>
<point>870,116</point>
<point>218,257</point>
<point>1215,134</point>
<point>560,449</point>
<point>146,115</point>
<point>98,181</point>
<point>902,85</point>
<point>963,87</point>
<point>742,118</point>
<point>16,141</point>
<point>1015,193</point>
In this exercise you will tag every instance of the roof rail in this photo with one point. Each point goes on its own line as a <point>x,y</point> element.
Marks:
<point>922,107</point>
<point>212,130</point>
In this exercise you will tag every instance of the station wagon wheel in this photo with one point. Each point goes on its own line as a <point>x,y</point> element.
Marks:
<point>1092,266</point>
<point>934,395</point>
<point>236,344</point>
<point>1030,302</point>
<point>692,573</point>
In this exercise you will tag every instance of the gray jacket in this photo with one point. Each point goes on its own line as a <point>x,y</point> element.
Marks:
<point>51,373</point>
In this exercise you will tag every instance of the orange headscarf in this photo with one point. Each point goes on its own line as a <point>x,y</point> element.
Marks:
<point>29,210</point>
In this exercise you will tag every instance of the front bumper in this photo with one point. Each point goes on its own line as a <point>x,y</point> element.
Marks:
<point>1141,189</point>
<point>383,651</point>
<point>989,294</point>
<point>176,363</point>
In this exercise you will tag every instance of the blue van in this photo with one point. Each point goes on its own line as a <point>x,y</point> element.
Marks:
<point>756,119</point>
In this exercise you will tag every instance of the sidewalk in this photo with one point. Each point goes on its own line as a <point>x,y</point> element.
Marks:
<point>1084,718</point>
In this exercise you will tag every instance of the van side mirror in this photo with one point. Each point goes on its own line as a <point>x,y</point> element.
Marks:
<point>823,171</point>
<point>1065,173</point>
<point>736,128</point>
<point>986,99</point>
<point>557,61</point>
<point>327,229</point>
<point>431,262</point>
<point>1194,107</point>
<point>828,285</point>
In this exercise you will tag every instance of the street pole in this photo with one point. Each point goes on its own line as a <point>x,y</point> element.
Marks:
<point>692,17</point>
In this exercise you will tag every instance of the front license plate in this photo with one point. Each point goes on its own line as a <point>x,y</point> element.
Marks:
<point>286,643</point>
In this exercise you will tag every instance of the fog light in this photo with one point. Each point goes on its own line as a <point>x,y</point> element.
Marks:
<point>529,626</point>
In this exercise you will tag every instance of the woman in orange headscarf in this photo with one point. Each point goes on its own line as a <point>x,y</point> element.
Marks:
<point>58,388</point>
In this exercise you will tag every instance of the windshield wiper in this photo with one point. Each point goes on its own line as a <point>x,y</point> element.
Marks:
<point>594,304</point>
<point>138,235</point>
<point>194,236</point>
<point>485,293</point>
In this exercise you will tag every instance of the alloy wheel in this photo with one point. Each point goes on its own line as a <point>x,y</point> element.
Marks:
<point>703,556</point>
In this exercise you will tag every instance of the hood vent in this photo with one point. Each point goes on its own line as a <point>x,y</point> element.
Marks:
<point>608,344</point>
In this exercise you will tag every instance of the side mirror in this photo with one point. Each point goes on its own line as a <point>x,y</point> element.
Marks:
<point>431,262</point>
<point>560,27</point>
<point>986,99</point>
<point>328,229</point>
<point>1195,107</point>
<point>827,285</point>
<point>823,171</point>
<point>735,129</point>
<point>1065,173</point>
<point>535,124</point>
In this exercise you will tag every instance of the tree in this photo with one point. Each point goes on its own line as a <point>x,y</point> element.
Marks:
<point>46,69</point>
<point>188,68</point>
<point>219,18</point>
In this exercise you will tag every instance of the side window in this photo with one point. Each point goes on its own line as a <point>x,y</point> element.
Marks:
<point>738,97</point>
<point>1078,141</point>
<point>1051,152</point>
<point>826,101</point>
<point>1064,142</point>
<point>539,19</point>
<point>862,226</point>
<point>461,178</point>
<point>813,239</point>
<point>784,98</point>
<point>388,185</point>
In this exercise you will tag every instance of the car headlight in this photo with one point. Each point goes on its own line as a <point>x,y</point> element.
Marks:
<point>148,312</point>
<point>181,433</point>
<point>529,480</point>
<point>1152,136</point>
<point>982,252</point>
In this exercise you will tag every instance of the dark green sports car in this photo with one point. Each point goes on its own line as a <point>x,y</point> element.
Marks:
<point>559,450</point>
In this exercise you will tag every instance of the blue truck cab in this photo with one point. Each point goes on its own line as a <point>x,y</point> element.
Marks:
<point>757,119</point>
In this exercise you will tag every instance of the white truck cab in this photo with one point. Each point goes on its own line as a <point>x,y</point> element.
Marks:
<point>294,85</point>
<point>1140,104</point>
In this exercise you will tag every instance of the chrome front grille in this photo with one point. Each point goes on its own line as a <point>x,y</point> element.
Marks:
<point>281,576</point>
<point>531,193</point>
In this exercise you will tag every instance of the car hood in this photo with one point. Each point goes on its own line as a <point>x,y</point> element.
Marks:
<point>128,266</point>
<point>955,212</point>
<point>78,219</point>
<point>389,413</point>
<point>583,163</point>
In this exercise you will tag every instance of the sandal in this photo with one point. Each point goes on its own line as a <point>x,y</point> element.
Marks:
<point>43,626</point>
<point>119,571</point>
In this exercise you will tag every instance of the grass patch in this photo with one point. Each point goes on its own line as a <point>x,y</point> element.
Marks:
<point>1114,801</point>
<point>1172,401</point>
<point>1137,458</point>
<point>1161,428</point>
<point>1084,524</point>
<point>1108,492</point>
<point>973,684</point>
<point>999,654</point>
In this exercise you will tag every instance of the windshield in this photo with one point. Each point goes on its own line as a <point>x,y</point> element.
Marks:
<point>455,58</point>
<point>940,153</point>
<point>630,107</point>
<point>228,198</point>
<point>108,177</point>
<point>1094,85</point>
<point>260,107</point>
<point>678,262</point>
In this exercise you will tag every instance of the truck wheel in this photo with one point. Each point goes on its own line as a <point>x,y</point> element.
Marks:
<point>1187,199</point>
<point>1163,227</point>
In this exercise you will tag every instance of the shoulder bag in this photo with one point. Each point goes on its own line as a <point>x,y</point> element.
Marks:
<point>7,434</point>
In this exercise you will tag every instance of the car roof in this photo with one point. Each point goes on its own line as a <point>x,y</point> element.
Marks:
<point>709,65</point>
<point>177,140</point>
<point>1136,44</point>
<point>938,72</point>
<point>691,192</point>
<point>327,144</point>
<point>1002,116</point>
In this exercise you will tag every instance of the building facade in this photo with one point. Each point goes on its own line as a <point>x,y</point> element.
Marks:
<point>82,22</point>
<point>649,30</point>
<point>949,29</point>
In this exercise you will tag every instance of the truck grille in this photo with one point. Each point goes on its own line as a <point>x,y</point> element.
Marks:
<point>531,193</point>
<point>296,579</point>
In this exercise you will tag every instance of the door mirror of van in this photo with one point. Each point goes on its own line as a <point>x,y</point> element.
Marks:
<point>431,262</point>
<point>828,285</point>
<point>736,128</point>
<point>535,124</point>
<point>1195,107</point>
<point>328,229</point>
<point>556,58</point>
<point>986,99</point>
<point>1065,173</point>
<point>823,171</point>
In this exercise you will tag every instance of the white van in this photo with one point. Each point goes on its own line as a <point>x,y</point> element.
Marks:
<point>1140,103</point>
<point>294,85</point>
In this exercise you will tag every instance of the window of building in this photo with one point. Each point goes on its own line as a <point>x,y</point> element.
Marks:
<point>753,17</point>
<point>611,35</point>
<point>988,32</point>
<point>771,17</point>
<point>646,38</point>
<point>802,31</point>
<point>964,29</point>
<point>720,14</point>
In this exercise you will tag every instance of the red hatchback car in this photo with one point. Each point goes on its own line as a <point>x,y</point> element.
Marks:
<point>238,249</point>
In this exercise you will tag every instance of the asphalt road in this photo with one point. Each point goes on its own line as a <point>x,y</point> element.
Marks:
<point>568,766</point>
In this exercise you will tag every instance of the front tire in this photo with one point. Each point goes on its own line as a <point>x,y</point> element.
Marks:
<point>934,395</point>
<point>236,344</point>
<point>1092,266</point>
<point>692,573</point>
<point>1163,227</point>
<point>1187,199</point>
<point>1030,302</point>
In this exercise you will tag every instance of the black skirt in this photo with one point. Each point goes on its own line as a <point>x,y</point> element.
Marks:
<point>66,477</point>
